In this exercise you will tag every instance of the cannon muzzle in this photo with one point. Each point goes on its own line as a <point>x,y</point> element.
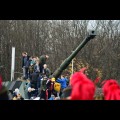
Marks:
<point>67,61</point>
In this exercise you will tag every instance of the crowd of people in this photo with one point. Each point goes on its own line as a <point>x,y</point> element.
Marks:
<point>39,78</point>
<point>41,85</point>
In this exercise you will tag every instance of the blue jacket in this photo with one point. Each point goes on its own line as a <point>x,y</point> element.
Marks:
<point>63,82</point>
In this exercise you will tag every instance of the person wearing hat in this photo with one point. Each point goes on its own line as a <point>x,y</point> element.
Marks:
<point>56,87</point>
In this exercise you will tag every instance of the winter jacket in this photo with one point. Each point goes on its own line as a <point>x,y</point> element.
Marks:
<point>63,82</point>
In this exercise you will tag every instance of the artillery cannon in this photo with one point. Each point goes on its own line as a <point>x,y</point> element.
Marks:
<point>67,61</point>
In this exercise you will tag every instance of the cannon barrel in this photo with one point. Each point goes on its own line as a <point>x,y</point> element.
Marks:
<point>67,61</point>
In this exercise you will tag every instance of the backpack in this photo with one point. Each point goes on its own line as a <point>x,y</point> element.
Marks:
<point>57,86</point>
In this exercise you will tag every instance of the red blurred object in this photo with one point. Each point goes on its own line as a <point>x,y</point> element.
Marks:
<point>82,87</point>
<point>97,80</point>
<point>111,90</point>
<point>0,82</point>
<point>46,94</point>
<point>77,76</point>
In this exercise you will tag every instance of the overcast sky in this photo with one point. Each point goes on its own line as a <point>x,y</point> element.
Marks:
<point>91,24</point>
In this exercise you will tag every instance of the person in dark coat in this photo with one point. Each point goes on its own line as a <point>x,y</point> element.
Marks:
<point>25,65</point>
<point>43,88</point>
<point>66,93</point>
<point>3,91</point>
<point>46,71</point>
<point>43,59</point>
<point>34,79</point>
<point>30,90</point>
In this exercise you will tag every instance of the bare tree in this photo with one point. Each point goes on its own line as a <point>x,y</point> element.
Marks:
<point>59,38</point>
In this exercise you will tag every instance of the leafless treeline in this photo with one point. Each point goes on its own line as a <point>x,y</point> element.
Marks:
<point>58,38</point>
